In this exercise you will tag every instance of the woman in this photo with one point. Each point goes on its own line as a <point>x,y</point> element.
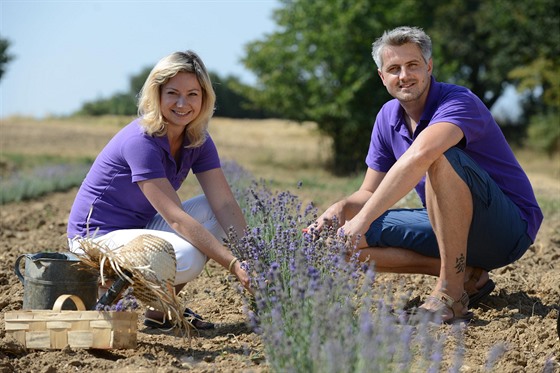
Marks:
<point>131,187</point>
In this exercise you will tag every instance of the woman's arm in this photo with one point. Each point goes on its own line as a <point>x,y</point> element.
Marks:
<point>221,199</point>
<point>165,200</point>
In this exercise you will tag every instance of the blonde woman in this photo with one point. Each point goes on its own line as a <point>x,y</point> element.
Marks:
<point>131,187</point>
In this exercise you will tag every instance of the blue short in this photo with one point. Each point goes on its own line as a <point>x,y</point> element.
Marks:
<point>498,234</point>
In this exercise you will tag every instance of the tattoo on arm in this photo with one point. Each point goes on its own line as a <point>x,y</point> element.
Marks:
<point>460,263</point>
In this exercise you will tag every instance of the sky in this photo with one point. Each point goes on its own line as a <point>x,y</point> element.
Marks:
<point>70,52</point>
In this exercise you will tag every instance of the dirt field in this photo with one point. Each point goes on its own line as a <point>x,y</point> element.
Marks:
<point>521,312</point>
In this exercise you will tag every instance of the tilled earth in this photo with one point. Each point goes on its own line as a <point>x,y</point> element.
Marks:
<point>521,312</point>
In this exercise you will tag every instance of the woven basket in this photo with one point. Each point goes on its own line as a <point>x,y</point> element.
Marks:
<point>56,329</point>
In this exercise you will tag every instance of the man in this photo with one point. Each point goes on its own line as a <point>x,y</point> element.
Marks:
<point>480,210</point>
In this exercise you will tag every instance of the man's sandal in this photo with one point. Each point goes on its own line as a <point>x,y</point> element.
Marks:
<point>442,301</point>
<point>476,295</point>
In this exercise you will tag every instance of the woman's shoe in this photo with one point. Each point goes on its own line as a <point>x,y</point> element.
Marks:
<point>195,319</point>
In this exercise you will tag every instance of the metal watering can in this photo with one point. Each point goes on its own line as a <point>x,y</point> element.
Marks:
<point>49,275</point>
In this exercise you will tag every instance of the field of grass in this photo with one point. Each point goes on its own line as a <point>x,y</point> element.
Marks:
<point>282,153</point>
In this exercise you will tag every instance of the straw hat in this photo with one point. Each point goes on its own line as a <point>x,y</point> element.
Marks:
<point>152,263</point>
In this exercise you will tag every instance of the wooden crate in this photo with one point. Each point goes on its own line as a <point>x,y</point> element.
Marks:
<point>56,329</point>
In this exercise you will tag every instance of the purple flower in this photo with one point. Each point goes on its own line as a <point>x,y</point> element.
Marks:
<point>315,308</point>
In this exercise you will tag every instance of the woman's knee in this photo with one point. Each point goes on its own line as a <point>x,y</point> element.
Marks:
<point>189,266</point>
<point>198,207</point>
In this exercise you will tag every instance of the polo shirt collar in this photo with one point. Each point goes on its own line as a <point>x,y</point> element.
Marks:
<point>432,101</point>
<point>429,110</point>
<point>164,143</point>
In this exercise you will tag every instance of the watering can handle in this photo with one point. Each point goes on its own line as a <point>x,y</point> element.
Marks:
<point>17,267</point>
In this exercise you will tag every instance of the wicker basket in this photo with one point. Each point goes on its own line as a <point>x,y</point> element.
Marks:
<point>56,329</point>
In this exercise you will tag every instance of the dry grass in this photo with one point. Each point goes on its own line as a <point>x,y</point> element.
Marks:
<point>281,152</point>
<point>69,137</point>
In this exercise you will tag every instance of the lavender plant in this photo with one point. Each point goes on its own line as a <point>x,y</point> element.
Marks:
<point>27,184</point>
<point>316,307</point>
<point>127,302</point>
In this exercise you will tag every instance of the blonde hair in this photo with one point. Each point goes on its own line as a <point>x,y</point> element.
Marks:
<point>149,108</point>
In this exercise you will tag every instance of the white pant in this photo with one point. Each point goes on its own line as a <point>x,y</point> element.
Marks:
<point>190,261</point>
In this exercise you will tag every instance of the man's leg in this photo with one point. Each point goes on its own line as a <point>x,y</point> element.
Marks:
<point>393,259</point>
<point>450,207</point>
<point>398,260</point>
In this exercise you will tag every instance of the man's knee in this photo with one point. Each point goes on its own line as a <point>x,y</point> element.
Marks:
<point>442,173</point>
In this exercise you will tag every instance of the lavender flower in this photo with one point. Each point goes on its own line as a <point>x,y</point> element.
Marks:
<point>316,308</point>
<point>127,302</point>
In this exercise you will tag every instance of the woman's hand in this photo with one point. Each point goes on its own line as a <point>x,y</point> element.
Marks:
<point>242,275</point>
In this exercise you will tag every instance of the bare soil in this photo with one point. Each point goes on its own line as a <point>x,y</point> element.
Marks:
<point>522,312</point>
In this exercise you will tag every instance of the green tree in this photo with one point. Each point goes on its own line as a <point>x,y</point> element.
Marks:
<point>230,103</point>
<point>544,125</point>
<point>477,43</point>
<point>120,103</point>
<point>317,64</point>
<point>5,57</point>
<point>318,67</point>
<point>137,81</point>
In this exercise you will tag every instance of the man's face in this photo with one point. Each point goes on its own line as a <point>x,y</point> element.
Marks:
<point>405,74</point>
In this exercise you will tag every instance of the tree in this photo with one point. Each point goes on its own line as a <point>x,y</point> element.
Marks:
<point>317,65</point>
<point>229,102</point>
<point>137,81</point>
<point>542,75</point>
<point>119,103</point>
<point>5,57</point>
<point>477,43</point>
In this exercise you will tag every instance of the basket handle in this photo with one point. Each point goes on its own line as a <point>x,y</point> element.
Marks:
<point>60,301</point>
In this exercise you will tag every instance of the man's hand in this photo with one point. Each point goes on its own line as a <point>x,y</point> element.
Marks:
<point>353,230</point>
<point>335,212</point>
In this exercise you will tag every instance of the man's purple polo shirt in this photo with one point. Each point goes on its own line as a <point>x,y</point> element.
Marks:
<point>484,142</point>
<point>109,197</point>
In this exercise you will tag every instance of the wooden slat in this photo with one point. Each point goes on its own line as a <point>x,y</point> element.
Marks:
<point>37,339</point>
<point>17,326</point>
<point>122,340</point>
<point>101,338</point>
<point>82,339</point>
<point>58,325</point>
<point>58,338</point>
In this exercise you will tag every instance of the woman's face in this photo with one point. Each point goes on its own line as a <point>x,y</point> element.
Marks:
<point>181,99</point>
